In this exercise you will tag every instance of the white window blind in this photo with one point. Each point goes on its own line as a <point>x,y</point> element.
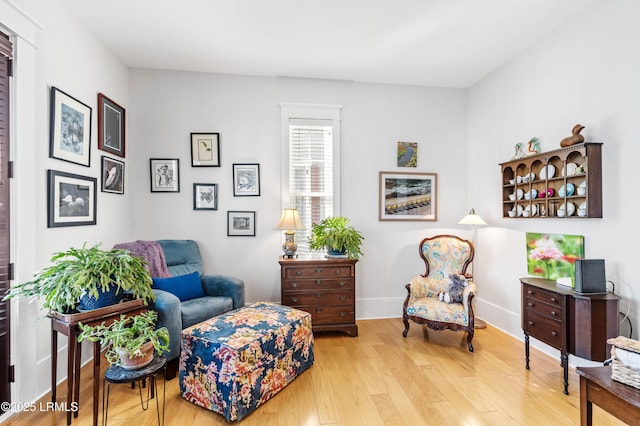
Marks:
<point>310,173</point>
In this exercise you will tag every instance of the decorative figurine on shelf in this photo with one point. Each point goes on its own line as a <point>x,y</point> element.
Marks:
<point>533,147</point>
<point>575,138</point>
<point>519,152</point>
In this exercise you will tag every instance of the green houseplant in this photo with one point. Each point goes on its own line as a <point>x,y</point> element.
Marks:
<point>86,271</point>
<point>130,340</point>
<point>337,236</point>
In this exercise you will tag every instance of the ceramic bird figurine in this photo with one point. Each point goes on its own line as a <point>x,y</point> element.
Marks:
<point>533,147</point>
<point>575,138</point>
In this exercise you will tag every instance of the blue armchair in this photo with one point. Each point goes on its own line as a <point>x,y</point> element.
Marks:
<point>222,293</point>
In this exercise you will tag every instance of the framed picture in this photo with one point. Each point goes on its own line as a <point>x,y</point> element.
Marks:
<point>205,196</point>
<point>71,199</point>
<point>246,180</point>
<point>205,149</point>
<point>408,196</point>
<point>553,256</point>
<point>112,175</point>
<point>407,154</point>
<point>165,174</point>
<point>70,129</point>
<point>110,126</point>
<point>241,224</point>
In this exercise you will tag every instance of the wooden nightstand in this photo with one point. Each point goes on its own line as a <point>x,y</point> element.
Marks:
<point>326,288</point>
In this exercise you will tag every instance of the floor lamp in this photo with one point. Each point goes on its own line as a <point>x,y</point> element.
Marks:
<point>474,220</point>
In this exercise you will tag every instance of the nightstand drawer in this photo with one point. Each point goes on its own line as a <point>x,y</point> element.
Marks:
<point>317,271</point>
<point>555,312</point>
<point>323,297</point>
<point>327,284</point>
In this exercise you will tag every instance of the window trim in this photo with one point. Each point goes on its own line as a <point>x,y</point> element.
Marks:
<point>304,111</point>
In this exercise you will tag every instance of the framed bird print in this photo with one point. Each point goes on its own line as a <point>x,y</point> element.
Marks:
<point>112,175</point>
<point>71,199</point>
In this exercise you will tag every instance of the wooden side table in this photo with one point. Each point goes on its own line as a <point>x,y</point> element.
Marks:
<point>67,324</point>
<point>597,387</point>
<point>117,374</point>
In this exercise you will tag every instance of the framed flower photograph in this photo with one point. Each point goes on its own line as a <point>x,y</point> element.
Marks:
<point>553,256</point>
<point>111,134</point>
<point>205,149</point>
<point>246,180</point>
<point>408,196</point>
<point>112,175</point>
<point>205,196</point>
<point>165,174</point>
<point>71,199</point>
<point>241,224</point>
<point>70,129</point>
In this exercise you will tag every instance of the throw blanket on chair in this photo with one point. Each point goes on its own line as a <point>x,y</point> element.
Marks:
<point>152,252</point>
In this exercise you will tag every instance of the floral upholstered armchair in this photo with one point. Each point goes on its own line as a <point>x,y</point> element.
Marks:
<point>442,255</point>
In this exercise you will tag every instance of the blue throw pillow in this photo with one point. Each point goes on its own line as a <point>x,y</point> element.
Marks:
<point>185,287</point>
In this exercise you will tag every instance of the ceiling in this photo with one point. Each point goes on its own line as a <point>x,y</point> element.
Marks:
<point>445,43</point>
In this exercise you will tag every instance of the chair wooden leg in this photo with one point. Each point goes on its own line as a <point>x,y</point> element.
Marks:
<point>406,327</point>
<point>469,339</point>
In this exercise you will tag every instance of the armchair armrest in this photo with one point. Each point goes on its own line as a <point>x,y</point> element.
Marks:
<point>224,285</point>
<point>467,295</point>
<point>167,306</point>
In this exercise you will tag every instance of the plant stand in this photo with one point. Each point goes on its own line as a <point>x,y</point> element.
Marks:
<point>117,374</point>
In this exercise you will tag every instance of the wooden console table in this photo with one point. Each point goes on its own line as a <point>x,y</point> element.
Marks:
<point>597,387</point>
<point>573,323</point>
<point>67,324</point>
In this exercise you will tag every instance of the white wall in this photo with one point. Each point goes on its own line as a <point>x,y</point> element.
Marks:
<point>63,53</point>
<point>166,106</point>
<point>586,73</point>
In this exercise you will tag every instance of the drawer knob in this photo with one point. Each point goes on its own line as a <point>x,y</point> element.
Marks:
<point>294,285</point>
<point>554,300</point>
<point>529,292</point>
<point>531,305</point>
<point>531,323</point>
<point>294,299</point>
<point>343,297</point>
<point>298,272</point>
<point>337,271</point>
<point>318,294</point>
<point>318,282</point>
<point>554,313</point>
<point>318,310</point>
<point>319,270</point>
<point>554,333</point>
<point>341,284</point>
<point>342,314</point>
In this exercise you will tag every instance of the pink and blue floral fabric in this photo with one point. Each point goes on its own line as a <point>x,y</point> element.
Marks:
<point>233,363</point>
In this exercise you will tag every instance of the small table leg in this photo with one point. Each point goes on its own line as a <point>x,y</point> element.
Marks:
<point>54,362</point>
<point>526,350</point>
<point>71,362</point>
<point>586,407</point>
<point>96,381</point>
<point>76,381</point>
<point>564,362</point>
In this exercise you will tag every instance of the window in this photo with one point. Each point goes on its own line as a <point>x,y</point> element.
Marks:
<point>311,180</point>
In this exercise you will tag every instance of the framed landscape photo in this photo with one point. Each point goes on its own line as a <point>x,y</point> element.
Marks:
<point>246,180</point>
<point>407,154</point>
<point>241,224</point>
<point>205,196</point>
<point>71,199</point>
<point>205,149</point>
<point>111,135</point>
<point>70,129</point>
<point>408,196</point>
<point>112,175</point>
<point>165,174</point>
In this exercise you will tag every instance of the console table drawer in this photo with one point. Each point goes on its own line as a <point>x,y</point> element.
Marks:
<point>534,294</point>
<point>552,311</point>
<point>545,329</point>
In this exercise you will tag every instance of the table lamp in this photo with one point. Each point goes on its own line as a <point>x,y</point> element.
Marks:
<point>289,222</point>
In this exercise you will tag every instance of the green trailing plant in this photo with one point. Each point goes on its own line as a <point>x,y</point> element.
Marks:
<point>335,234</point>
<point>127,335</point>
<point>79,271</point>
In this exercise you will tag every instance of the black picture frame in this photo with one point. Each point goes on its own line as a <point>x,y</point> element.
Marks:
<point>205,149</point>
<point>241,223</point>
<point>111,126</point>
<point>112,175</point>
<point>164,174</point>
<point>246,180</point>
<point>69,129</point>
<point>205,196</point>
<point>71,199</point>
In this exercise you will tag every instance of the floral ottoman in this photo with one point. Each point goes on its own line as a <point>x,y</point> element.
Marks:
<point>235,362</point>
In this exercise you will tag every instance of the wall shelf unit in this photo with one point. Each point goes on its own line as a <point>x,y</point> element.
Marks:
<point>569,179</point>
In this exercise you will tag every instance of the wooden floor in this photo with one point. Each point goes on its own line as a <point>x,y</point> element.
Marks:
<point>381,378</point>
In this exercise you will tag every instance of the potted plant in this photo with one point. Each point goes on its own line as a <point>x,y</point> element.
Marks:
<point>86,273</point>
<point>130,340</point>
<point>337,236</point>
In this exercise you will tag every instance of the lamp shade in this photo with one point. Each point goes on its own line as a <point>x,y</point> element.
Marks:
<point>290,220</point>
<point>472,219</point>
